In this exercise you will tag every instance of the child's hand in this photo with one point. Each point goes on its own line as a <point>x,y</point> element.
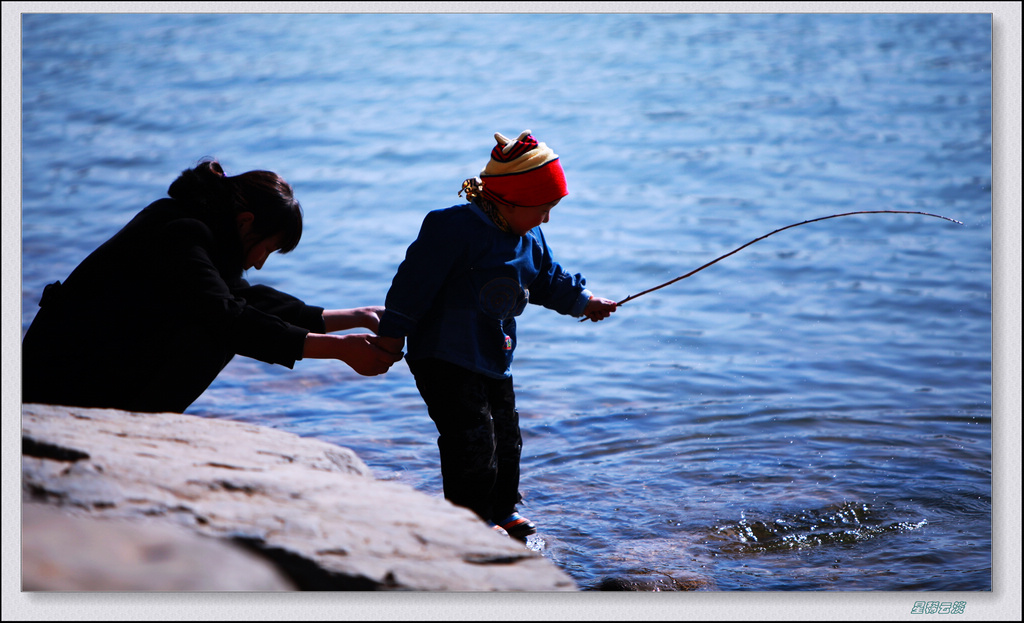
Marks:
<point>598,308</point>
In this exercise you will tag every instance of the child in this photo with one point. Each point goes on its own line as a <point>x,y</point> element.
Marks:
<point>470,271</point>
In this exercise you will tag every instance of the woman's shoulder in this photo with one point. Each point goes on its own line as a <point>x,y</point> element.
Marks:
<point>176,219</point>
<point>167,210</point>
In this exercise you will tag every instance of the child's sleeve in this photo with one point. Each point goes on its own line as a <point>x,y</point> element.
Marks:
<point>420,276</point>
<point>555,288</point>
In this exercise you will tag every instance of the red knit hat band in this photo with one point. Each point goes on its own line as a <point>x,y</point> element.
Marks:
<point>536,187</point>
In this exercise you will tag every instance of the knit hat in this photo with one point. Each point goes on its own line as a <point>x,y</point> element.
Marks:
<point>522,173</point>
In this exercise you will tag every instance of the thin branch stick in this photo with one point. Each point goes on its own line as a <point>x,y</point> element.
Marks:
<point>697,270</point>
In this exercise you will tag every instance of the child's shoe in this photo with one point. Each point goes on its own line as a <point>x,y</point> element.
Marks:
<point>517,526</point>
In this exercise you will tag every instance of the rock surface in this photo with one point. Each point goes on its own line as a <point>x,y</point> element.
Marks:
<point>136,501</point>
<point>64,552</point>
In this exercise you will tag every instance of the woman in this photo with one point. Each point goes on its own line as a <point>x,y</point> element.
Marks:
<point>152,316</point>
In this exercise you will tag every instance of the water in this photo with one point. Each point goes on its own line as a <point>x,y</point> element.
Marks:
<point>810,414</point>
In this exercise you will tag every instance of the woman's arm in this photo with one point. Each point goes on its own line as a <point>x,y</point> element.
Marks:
<point>355,318</point>
<point>199,293</point>
<point>361,352</point>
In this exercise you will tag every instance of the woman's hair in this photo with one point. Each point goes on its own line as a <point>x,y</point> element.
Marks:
<point>263,193</point>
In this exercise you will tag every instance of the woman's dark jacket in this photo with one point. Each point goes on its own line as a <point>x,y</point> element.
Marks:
<point>151,317</point>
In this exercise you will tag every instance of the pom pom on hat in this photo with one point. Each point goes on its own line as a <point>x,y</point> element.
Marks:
<point>523,172</point>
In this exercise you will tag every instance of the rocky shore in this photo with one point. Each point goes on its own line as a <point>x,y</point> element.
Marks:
<point>118,501</point>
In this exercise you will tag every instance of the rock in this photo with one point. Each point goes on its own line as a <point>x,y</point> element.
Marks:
<point>646,565</point>
<point>649,584</point>
<point>311,509</point>
<point>63,552</point>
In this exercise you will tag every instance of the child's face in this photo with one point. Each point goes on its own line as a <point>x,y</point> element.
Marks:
<point>522,219</point>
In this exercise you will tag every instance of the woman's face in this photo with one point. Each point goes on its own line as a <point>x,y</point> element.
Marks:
<point>257,251</point>
<point>255,248</point>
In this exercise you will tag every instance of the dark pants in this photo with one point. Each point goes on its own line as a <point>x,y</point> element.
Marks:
<point>479,440</point>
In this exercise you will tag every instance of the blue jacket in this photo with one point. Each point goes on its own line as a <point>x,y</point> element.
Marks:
<point>463,282</point>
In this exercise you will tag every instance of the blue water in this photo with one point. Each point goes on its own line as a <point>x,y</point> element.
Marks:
<point>810,414</point>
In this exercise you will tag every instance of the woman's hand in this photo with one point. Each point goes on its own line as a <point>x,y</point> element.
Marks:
<point>599,308</point>
<point>355,318</point>
<point>360,351</point>
<point>393,345</point>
